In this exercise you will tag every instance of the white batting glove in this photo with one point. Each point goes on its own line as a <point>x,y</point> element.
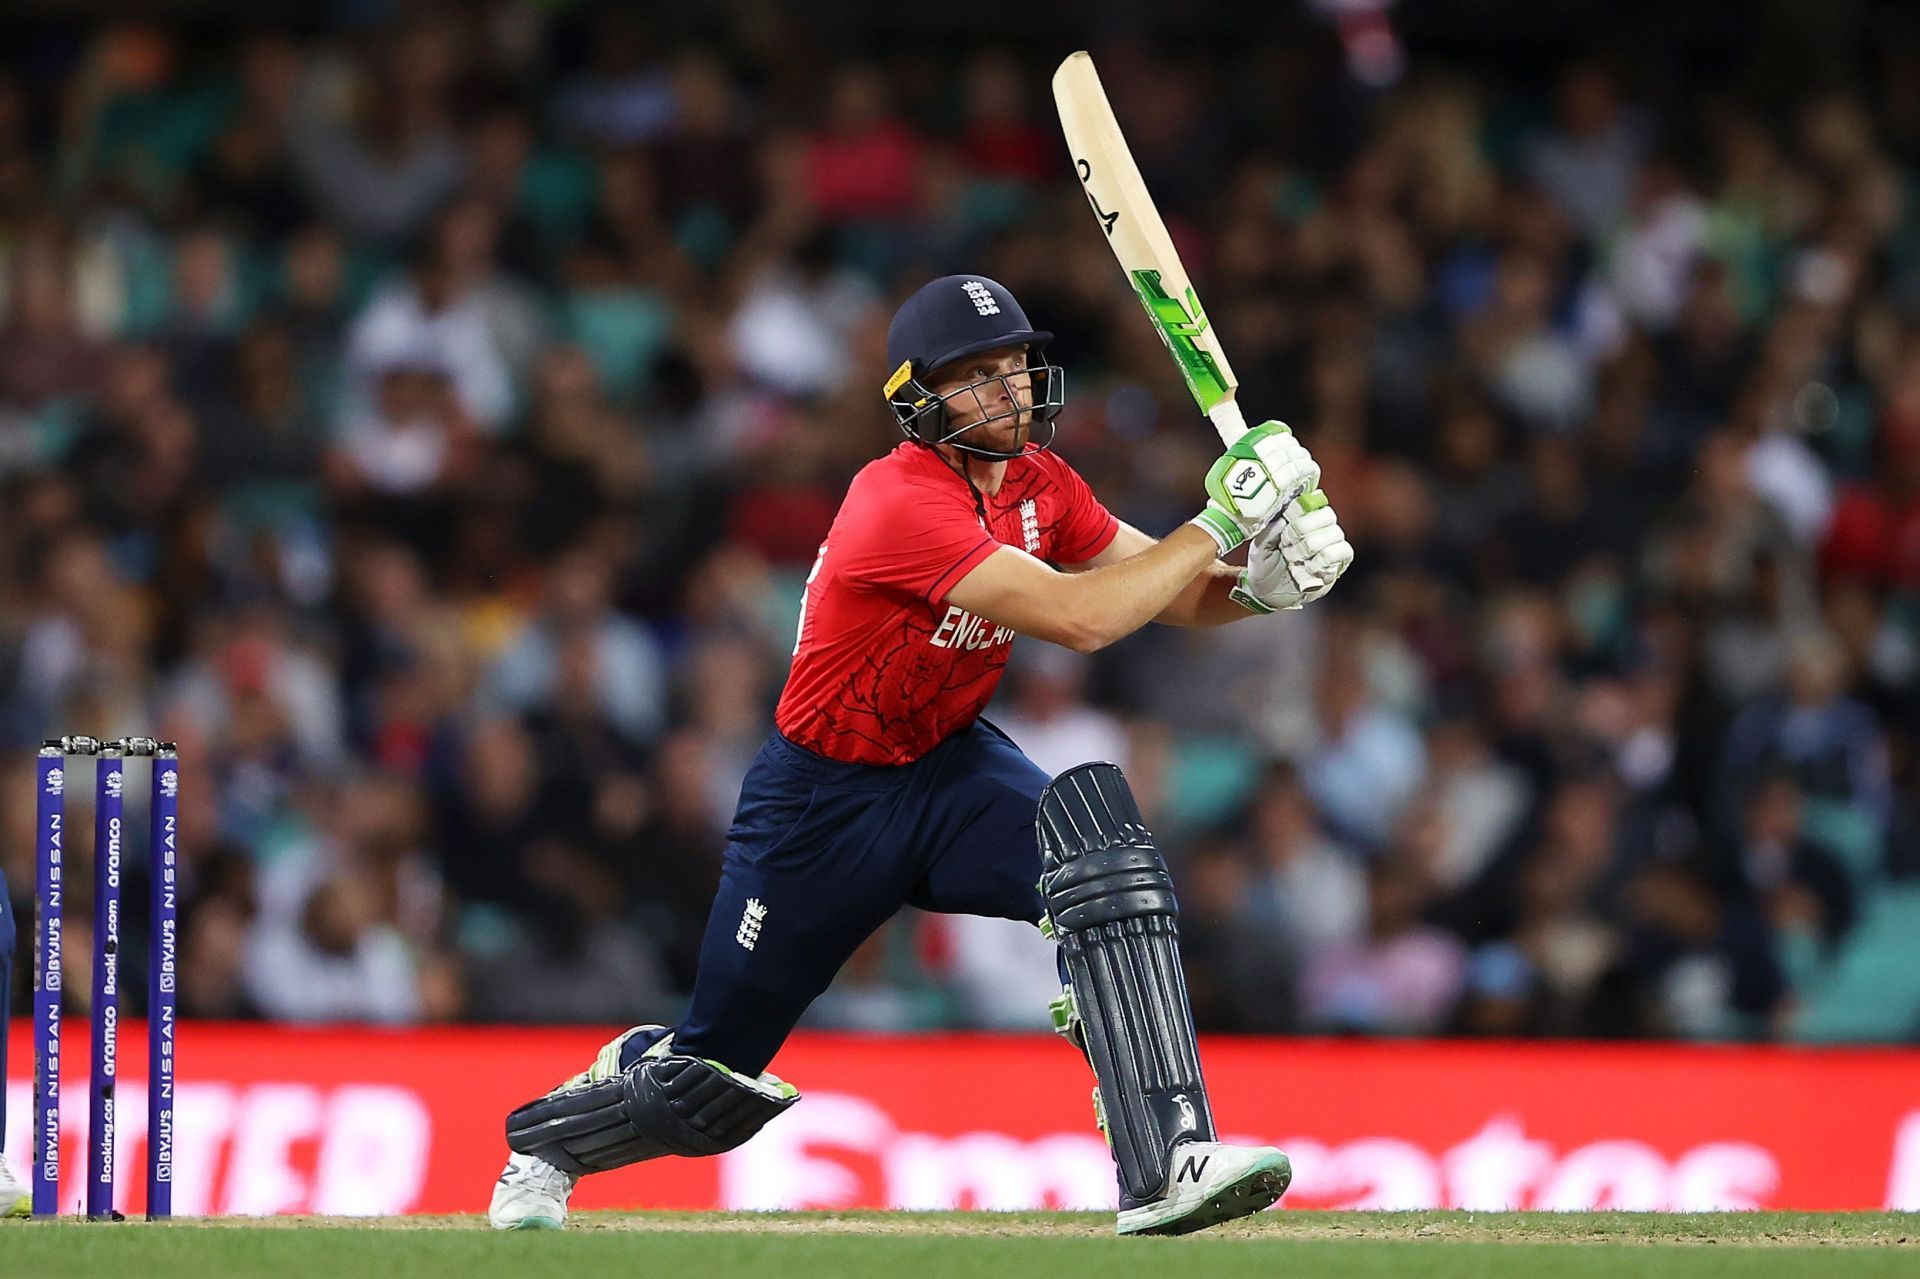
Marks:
<point>1296,558</point>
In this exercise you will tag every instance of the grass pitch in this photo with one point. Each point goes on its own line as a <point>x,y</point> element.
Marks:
<point>1326,1245</point>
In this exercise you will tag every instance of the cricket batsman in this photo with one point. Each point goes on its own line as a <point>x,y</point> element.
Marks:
<point>882,787</point>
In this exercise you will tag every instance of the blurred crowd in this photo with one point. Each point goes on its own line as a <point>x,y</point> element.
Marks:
<point>428,424</point>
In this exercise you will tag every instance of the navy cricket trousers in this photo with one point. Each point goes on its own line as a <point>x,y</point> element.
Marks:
<point>822,853</point>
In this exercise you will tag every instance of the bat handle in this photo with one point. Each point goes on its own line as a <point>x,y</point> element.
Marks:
<point>1228,420</point>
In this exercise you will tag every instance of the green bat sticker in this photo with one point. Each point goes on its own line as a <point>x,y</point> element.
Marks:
<point>1179,324</point>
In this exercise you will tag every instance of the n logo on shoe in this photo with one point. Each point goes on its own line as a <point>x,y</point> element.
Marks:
<point>1193,1168</point>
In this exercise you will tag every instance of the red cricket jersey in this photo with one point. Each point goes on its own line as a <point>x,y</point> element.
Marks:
<point>884,669</point>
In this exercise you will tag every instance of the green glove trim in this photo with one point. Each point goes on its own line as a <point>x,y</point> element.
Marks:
<point>1221,527</point>
<point>1246,599</point>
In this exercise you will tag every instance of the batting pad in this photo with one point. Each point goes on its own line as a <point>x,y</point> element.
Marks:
<point>1111,905</point>
<point>669,1105</point>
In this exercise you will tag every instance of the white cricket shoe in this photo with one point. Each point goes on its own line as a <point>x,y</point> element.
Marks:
<point>530,1195</point>
<point>15,1199</point>
<point>1209,1182</point>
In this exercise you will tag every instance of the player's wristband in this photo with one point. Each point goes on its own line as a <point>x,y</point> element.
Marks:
<point>1247,599</point>
<point>1221,527</point>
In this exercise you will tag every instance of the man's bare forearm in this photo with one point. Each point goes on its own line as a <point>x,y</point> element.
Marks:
<point>1118,599</point>
<point>1205,601</point>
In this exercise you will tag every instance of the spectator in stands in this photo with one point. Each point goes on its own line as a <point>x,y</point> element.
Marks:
<point>1800,887</point>
<point>1830,742</point>
<point>44,352</point>
<point>336,963</point>
<point>1399,977</point>
<point>1311,890</point>
<point>1703,967</point>
<point>580,639</point>
<point>380,162</point>
<point>437,313</point>
<point>1369,761</point>
<point>1049,716</point>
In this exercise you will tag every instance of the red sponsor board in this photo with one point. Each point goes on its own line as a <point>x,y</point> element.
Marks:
<point>274,1119</point>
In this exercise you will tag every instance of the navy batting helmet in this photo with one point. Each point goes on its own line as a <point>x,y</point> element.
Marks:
<point>950,319</point>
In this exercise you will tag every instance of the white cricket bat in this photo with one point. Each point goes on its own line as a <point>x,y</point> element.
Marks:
<point>1140,240</point>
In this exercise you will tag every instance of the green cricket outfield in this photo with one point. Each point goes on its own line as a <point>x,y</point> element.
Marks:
<point>1326,1245</point>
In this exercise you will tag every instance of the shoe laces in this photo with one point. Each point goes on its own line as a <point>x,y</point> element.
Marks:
<point>537,1174</point>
